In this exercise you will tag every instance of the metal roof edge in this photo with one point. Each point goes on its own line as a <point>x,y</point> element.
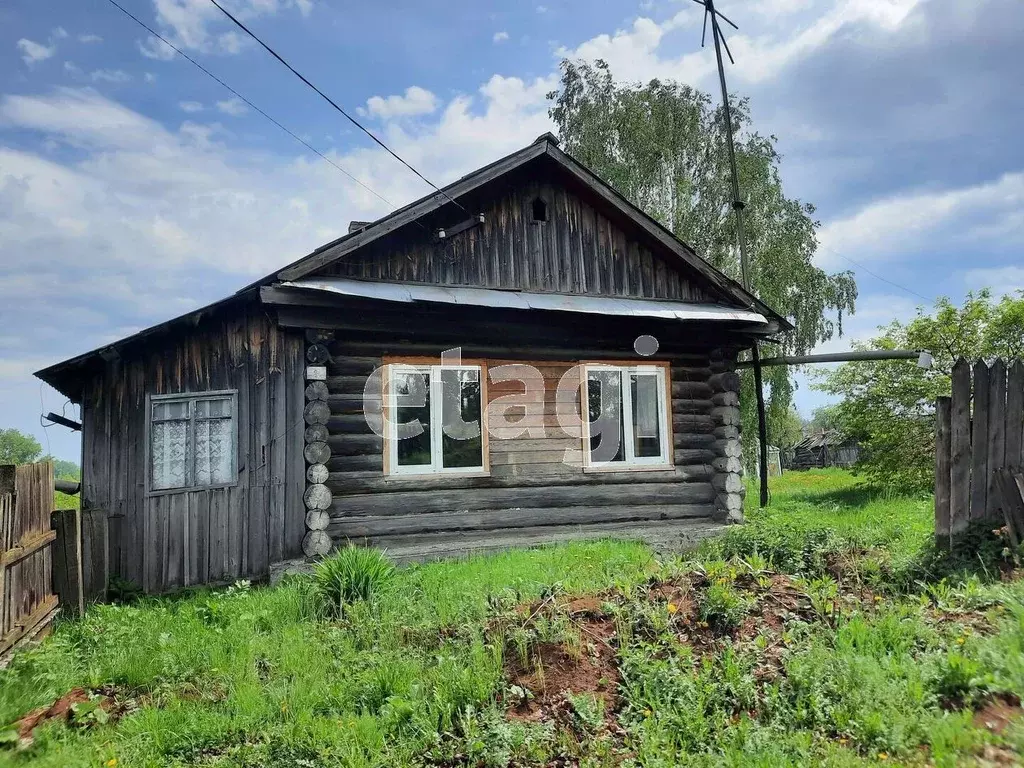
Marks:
<point>527,300</point>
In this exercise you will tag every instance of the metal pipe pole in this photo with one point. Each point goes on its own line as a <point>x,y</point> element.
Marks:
<point>741,239</point>
<point>842,357</point>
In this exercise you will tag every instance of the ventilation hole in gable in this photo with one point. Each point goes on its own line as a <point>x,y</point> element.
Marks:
<point>540,210</point>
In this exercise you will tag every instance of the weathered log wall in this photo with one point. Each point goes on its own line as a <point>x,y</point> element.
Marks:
<point>530,486</point>
<point>180,538</point>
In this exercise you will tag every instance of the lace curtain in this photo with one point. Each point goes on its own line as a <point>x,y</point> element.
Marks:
<point>213,451</point>
<point>169,449</point>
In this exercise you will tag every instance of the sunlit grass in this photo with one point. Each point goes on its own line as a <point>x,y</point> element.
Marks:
<point>257,676</point>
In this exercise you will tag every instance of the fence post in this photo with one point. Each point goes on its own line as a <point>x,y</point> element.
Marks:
<point>960,448</point>
<point>1015,416</point>
<point>979,442</point>
<point>996,435</point>
<point>943,412</point>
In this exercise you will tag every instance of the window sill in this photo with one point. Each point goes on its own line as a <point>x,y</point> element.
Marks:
<point>425,475</point>
<point>632,468</point>
<point>190,489</point>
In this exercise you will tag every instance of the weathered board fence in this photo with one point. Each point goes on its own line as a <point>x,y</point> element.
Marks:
<point>979,430</point>
<point>81,558</point>
<point>27,601</point>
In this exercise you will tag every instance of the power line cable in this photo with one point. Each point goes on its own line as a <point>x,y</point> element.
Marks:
<point>330,101</point>
<point>207,72</point>
<point>876,275</point>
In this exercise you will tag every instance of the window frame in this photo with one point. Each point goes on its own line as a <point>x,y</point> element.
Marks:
<point>191,398</point>
<point>631,462</point>
<point>436,468</point>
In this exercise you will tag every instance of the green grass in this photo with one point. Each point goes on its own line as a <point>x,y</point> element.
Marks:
<point>64,500</point>
<point>884,660</point>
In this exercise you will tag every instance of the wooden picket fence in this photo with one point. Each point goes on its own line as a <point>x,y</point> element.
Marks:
<point>27,602</point>
<point>979,430</point>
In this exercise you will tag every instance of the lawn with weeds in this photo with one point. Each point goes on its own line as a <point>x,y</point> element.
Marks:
<point>827,630</point>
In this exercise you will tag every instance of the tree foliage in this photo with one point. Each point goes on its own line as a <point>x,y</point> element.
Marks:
<point>662,145</point>
<point>18,448</point>
<point>889,406</point>
<point>824,419</point>
<point>789,431</point>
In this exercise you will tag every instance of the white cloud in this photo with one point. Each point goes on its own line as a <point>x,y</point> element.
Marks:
<point>500,37</point>
<point>633,54</point>
<point>110,76</point>
<point>542,9</point>
<point>33,52</point>
<point>1006,280</point>
<point>415,101</point>
<point>90,38</point>
<point>154,48</point>
<point>233,106</point>
<point>190,24</point>
<point>910,221</point>
<point>190,106</point>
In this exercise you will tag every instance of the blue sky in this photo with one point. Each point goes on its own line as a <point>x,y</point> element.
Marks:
<point>133,188</point>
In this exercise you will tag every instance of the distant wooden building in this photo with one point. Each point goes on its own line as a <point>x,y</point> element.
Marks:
<point>829,448</point>
<point>316,406</point>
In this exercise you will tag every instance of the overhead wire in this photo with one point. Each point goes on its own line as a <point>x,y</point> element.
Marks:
<point>210,74</point>
<point>331,101</point>
<point>876,275</point>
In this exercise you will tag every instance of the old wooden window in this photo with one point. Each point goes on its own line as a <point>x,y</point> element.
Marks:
<point>627,421</point>
<point>435,419</point>
<point>193,440</point>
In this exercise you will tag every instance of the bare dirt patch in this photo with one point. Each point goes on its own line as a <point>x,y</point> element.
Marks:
<point>70,708</point>
<point>552,671</point>
<point>997,713</point>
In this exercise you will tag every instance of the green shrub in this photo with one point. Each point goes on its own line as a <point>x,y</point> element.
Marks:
<point>351,574</point>
<point>722,606</point>
<point>959,679</point>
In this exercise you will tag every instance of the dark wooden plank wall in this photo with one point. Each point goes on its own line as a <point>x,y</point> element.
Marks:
<point>577,250</point>
<point>529,486</point>
<point>167,541</point>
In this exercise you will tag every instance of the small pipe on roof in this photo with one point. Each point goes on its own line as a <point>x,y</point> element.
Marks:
<point>923,357</point>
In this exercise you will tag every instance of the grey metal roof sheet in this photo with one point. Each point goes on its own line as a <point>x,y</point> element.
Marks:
<point>490,297</point>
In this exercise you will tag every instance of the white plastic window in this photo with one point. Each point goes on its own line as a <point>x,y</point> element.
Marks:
<point>435,419</point>
<point>627,420</point>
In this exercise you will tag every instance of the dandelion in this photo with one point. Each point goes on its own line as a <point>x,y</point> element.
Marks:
<point>878,598</point>
<point>111,762</point>
<point>961,640</point>
<point>647,713</point>
<point>883,756</point>
<point>672,607</point>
